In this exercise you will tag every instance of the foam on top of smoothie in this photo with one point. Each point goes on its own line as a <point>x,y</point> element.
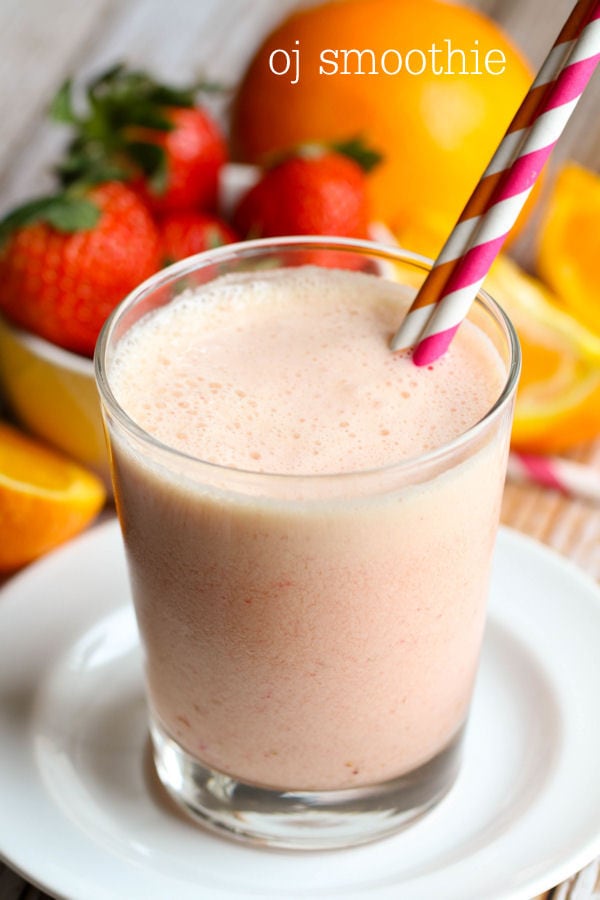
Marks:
<point>290,371</point>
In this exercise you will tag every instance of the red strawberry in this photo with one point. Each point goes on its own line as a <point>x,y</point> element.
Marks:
<point>195,152</point>
<point>146,132</point>
<point>186,233</point>
<point>66,261</point>
<point>325,193</point>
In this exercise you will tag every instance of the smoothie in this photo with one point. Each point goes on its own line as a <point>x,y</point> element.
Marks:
<point>312,620</point>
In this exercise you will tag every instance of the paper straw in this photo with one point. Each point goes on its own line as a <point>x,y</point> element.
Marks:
<point>577,480</point>
<point>574,479</point>
<point>459,271</point>
<point>466,227</point>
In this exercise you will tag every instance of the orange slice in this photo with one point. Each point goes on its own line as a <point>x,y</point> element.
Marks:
<point>558,401</point>
<point>569,244</point>
<point>44,498</point>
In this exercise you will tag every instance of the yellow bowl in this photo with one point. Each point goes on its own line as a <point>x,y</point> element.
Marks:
<point>52,393</point>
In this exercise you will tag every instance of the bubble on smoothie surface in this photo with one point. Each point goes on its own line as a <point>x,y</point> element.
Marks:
<point>290,371</point>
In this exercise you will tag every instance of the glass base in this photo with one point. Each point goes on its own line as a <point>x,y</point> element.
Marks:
<point>302,820</point>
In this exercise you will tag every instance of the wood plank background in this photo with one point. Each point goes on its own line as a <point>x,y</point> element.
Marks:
<point>44,41</point>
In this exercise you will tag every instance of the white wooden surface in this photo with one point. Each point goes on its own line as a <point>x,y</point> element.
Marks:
<point>43,41</point>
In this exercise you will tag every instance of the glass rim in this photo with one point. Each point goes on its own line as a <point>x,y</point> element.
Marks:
<point>301,242</point>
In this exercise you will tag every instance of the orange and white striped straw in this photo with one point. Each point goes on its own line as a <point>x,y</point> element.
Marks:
<point>461,267</point>
<point>576,480</point>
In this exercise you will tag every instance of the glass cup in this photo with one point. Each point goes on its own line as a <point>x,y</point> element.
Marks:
<point>331,712</point>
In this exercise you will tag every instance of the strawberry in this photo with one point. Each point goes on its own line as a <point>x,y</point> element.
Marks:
<point>185,233</point>
<point>145,132</point>
<point>195,152</point>
<point>67,260</point>
<point>316,191</point>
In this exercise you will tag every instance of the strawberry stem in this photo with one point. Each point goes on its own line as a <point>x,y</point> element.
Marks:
<point>64,212</point>
<point>119,103</point>
<point>357,149</point>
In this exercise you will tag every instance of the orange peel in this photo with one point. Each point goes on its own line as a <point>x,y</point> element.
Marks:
<point>45,498</point>
<point>558,400</point>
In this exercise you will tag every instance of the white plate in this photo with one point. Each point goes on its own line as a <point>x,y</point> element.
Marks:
<point>82,815</point>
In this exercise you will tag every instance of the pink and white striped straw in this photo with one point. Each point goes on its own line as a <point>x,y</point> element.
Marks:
<point>577,480</point>
<point>460,269</point>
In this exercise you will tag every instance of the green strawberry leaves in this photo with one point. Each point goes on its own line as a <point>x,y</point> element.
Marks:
<point>117,98</point>
<point>119,103</point>
<point>87,165</point>
<point>152,160</point>
<point>61,108</point>
<point>137,92</point>
<point>357,149</point>
<point>65,212</point>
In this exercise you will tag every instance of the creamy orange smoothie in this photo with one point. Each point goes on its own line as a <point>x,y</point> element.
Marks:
<point>321,632</point>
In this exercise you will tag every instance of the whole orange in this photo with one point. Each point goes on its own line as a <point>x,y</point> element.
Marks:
<point>436,131</point>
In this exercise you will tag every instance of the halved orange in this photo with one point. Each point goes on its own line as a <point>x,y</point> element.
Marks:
<point>44,498</point>
<point>569,243</point>
<point>558,401</point>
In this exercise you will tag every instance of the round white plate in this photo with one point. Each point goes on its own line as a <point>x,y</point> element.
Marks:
<point>82,815</point>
